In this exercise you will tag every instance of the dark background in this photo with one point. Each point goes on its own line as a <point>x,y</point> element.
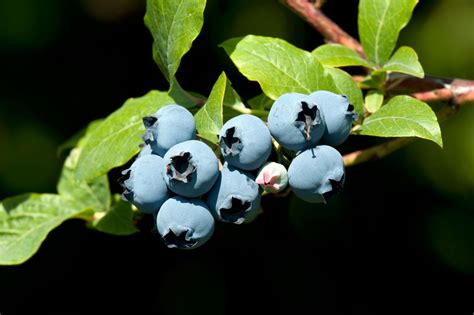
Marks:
<point>398,239</point>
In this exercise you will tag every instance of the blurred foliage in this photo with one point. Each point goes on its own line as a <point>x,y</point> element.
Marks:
<point>28,162</point>
<point>29,24</point>
<point>112,10</point>
<point>443,37</point>
<point>451,236</point>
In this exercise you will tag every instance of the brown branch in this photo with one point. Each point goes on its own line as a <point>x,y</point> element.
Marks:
<point>376,152</point>
<point>310,12</point>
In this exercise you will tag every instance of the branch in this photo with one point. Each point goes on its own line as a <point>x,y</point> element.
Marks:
<point>331,31</point>
<point>376,152</point>
<point>434,89</point>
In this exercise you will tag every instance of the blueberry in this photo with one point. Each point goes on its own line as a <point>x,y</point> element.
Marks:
<point>145,149</point>
<point>235,197</point>
<point>245,142</point>
<point>316,174</point>
<point>170,125</point>
<point>338,115</point>
<point>144,185</point>
<point>190,168</point>
<point>184,223</point>
<point>296,122</point>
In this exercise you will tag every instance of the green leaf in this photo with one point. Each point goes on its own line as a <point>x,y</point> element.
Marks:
<point>93,195</point>
<point>260,102</point>
<point>380,22</point>
<point>209,119</point>
<point>403,116</point>
<point>117,139</point>
<point>405,60</point>
<point>26,220</point>
<point>375,80</point>
<point>174,25</point>
<point>117,221</point>
<point>232,98</point>
<point>373,100</point>
<point>277,66</point>
<point>181,96</point>
<point>347,86</point>
<point>74,139</point>
<point>336,55</point>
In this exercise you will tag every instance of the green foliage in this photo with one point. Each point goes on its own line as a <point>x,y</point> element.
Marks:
<point>405,60</point>
<point>209,119</point>
<point>380,22</point>
<point>118,220</point>
<point>174,25</point>
<point>346,85</point>
<point>373,100</point>
<point>26,220</point>
<point>277,66</point>
<point>260,102</point>
<point>403,116</point>
<point>336,55</point>
<point>117,139</point>
<point>94,194</point>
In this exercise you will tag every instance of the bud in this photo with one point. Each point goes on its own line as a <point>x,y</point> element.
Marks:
<point>272,177</point>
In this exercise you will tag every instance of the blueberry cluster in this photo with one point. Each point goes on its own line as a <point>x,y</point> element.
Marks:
<point>181,181</point>
<point>312,125</point>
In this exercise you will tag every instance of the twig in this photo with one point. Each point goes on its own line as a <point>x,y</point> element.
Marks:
<point>331,31</point>
<point>375,152</point>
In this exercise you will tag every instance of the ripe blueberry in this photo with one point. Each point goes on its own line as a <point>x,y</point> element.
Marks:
<point>170,125</point>
<point>245,142</point>
<point>184,223</point>
<point>190,168</point>
<point>145,149</point>
<point>338,115</point>
<point>316,174</point>
<point>296,121</point>
<point>144,185</point>
<point>235,197</point>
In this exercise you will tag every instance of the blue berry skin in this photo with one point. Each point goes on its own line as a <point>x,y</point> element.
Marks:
<point>145,149</point>
<point>296,121</point>
<point>170,125</point>
<point>339,115</point>
<point>145,186</point>
<point>190,168</point>
<point>235,197</point>
<point>245,142</point>
<point>184,223</point>
<point>316,174</point>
